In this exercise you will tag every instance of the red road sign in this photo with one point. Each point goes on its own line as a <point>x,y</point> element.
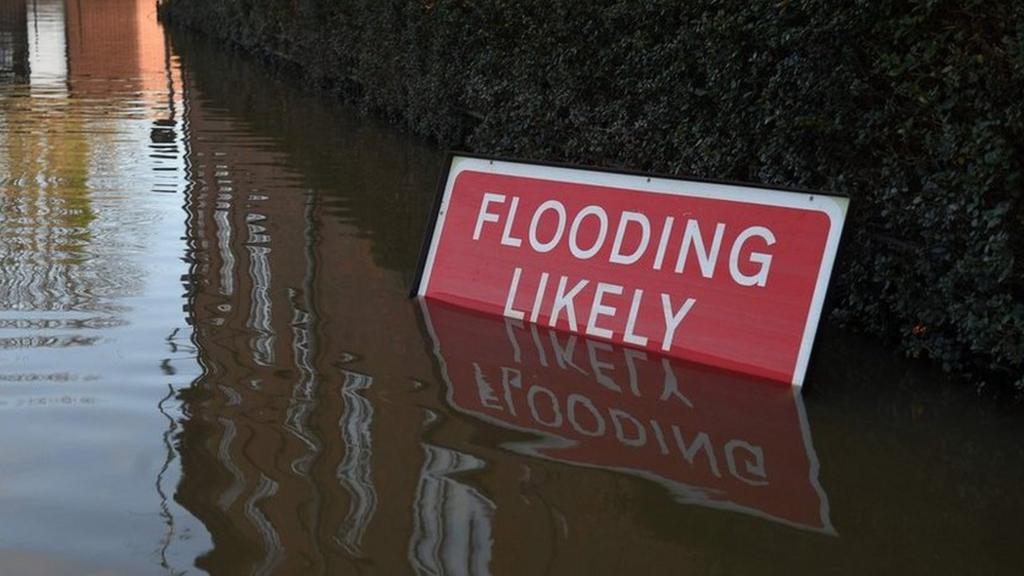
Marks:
<point>722,274</point>
<point>710,437</point>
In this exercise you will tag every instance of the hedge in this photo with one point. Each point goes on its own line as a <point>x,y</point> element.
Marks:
<point>913,109</point>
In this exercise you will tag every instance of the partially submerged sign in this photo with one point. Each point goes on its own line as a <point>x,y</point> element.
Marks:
<point>722,274</point>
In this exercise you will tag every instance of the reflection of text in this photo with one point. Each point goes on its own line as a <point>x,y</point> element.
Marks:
<point>714,438</point>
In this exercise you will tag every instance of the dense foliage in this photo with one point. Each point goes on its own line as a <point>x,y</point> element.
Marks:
<point>913,108</point>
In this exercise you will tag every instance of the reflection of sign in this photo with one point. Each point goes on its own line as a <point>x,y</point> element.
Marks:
<point>721,274</point>
<point>712,438</point>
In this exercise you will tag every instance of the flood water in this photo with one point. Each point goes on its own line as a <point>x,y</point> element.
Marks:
<point>209,364</point>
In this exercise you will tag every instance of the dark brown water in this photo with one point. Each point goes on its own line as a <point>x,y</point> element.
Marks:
<point>208,364</point>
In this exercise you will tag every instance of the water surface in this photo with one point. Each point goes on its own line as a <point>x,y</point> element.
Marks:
<point>208,364</point>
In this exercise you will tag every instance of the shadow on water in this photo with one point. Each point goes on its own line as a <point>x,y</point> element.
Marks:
<point>337,427</point>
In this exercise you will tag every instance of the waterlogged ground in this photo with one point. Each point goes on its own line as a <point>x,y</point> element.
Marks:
<point>208,364</point>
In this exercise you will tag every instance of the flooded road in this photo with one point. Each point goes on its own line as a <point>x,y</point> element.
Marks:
<point>209,364</point>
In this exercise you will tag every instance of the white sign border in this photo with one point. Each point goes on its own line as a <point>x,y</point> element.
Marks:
<point>833,206</point>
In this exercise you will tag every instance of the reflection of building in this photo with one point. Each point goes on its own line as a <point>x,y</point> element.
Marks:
<point>56,151</point>
<point>13,40</point>
<point>451,520</point>
<point>355,470</point>
<point>283,450</point>
<point>102,44</point>
<point>45,205</point>
<point>305,448</point>
<point>79,233</point>
<point>115,40</point>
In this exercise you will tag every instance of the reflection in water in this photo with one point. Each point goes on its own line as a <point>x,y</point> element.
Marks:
<point>47,34</point>
<point>13,42</point>
<point>354,471</point>
<point>227,498</point>
<point>279,490</point>
<point>261,309</point>
<point>729,442</point>
<point>46,213</point>
<point>304,393</point>
<point>273,550</point>
<point>451,521</point>
<point>293,413</point>
<point>89,289</point>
